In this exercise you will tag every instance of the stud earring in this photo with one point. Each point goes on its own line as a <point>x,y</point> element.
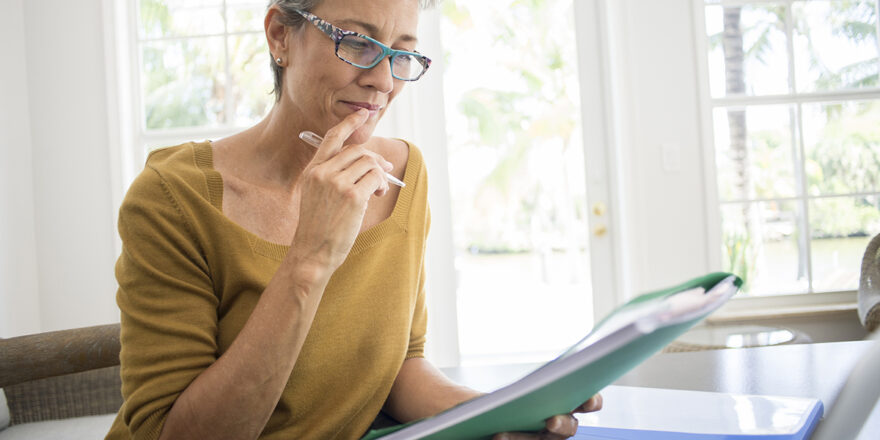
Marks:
<point>278,61</point>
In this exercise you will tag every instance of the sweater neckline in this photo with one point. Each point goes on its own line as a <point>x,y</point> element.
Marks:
<point>204,158</point>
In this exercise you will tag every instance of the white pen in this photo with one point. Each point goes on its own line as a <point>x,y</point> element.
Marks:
<point>315,141</point>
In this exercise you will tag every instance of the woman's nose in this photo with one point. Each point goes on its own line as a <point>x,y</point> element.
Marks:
<point>379,77</point>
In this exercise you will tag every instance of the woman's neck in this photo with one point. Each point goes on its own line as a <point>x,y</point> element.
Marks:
<point>270,152</point>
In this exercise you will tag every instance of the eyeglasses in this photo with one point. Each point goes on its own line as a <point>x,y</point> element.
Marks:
<point>364,52</point>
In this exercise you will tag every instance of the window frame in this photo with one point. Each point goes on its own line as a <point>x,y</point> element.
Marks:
<point>148,139</point>
<point>779,305</point>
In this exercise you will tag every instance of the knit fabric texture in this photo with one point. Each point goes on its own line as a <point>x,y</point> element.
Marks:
<point>189,279</point>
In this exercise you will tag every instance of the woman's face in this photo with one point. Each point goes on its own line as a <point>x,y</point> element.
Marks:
<point>322,89</point>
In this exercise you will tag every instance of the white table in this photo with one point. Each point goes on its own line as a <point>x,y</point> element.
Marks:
<point>801,370</point>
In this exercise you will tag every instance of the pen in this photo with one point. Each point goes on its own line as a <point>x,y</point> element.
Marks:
<point>315,141</point>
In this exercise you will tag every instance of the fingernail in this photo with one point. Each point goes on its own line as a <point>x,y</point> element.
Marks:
<point>388,166</point>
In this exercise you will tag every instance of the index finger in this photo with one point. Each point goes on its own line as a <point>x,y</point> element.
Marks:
<point>594,404</point>
<point>337,134</point>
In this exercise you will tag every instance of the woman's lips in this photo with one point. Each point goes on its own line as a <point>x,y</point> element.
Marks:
<point>355,106</point>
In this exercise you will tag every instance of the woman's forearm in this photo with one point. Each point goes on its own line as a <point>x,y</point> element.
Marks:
<point>235,396</point>
<point>421,390</point>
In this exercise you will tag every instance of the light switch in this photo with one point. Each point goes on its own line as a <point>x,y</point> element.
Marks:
<point>671,157</point>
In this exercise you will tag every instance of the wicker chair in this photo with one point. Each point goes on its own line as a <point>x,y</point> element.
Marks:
<point>62,374</point>
<point>869,286</point>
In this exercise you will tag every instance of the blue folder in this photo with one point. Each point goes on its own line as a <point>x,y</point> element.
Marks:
<point>635,413</point>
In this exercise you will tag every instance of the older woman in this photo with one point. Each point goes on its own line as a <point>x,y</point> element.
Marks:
<point>272,290</point>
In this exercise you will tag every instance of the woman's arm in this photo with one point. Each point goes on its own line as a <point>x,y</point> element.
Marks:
<point>421,390</point>
<point>235,396</point>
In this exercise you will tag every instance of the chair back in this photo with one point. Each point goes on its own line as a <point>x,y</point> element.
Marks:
<point>61,374</point>
<point>869,286</point>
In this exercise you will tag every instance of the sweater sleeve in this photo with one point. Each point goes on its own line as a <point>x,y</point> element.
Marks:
<point>419,325</point>
<point>167,304</point>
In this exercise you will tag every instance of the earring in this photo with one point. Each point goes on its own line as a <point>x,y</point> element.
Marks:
<point>278,61</point>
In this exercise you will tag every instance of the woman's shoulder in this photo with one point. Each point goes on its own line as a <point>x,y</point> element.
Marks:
<point>395,151</point>
<point>180,168</point>
<point>180,158</point>
<point>404,155</point>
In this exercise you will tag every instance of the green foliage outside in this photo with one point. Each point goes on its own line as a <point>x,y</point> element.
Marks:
<point>526,111</point>
<point>184,66</point>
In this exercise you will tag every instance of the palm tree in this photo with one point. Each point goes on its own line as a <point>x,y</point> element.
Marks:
<point>739,247</point>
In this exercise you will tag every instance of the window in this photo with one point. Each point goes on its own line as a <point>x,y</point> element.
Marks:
<point>516,165</point>
<point>795,101</point>
<point>202,68</point>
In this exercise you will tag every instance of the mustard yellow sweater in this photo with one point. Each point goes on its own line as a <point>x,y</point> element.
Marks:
<point>189,278</point>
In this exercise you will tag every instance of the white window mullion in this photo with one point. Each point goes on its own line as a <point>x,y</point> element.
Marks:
<point>798,197</point>
<point>137,95</point>
<point>798,98</point>
<point>707,134</point>
<point>798,159</point>
<point>228,109</point>
<point>196,36</point>
<point>877,32</point>
<point>789,47</point>
<point>800,172</point>
<point>729,3</point>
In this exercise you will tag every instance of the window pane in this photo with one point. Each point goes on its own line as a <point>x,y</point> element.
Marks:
<point>183,83</point>
<point>517,178</point>
<point>841,229</point>
<point>754,152</point>
<point>175,18</point>
<point>251,78</point>
<point>835,45</point>
<point>760,244</point>
<point>747,50</point>
<point>842,145</point>
<point>246,16</point>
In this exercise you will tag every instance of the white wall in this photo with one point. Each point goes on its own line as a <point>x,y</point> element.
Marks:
<point>58,157</point>
<point>19,304</point>
<point>660,157</point>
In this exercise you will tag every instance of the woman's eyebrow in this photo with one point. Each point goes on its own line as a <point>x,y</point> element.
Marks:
<point>373,30</point>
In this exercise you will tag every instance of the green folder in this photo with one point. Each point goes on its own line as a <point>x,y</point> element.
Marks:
<point>623,339</point>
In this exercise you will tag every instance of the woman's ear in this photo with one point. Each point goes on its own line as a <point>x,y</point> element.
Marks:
<point>276,33</point>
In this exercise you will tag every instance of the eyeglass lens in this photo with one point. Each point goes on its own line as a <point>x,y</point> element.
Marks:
<point>364,53</point>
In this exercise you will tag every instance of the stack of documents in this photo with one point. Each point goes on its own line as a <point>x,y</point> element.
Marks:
<point>622,340</point>
<point>635,413</point>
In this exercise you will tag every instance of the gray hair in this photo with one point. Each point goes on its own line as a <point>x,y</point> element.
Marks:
<point>289,17</point>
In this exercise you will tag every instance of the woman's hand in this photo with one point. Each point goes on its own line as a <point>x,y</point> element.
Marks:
<point>557,427</point>
<point>335,188</point>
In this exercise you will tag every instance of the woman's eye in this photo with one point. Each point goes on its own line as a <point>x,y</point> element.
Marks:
<point>356,43</point>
